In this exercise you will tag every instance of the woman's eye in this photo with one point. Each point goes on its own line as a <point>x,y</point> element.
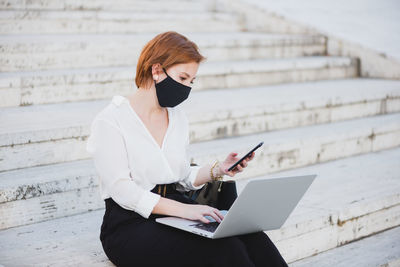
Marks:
<point>182,78</point>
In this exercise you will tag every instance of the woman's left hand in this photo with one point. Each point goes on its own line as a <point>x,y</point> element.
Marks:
<point>232,159</point>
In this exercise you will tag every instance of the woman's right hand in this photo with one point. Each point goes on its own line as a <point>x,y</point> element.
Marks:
<point>197,212</point>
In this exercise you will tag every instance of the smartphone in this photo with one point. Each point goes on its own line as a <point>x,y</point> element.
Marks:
<point>247,155</point>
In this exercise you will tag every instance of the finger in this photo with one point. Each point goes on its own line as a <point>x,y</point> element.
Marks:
<point>219,214</point>
<point>204,219</point>
<point>230,173</point>
<point>233,171</point>
<point>236,169</point>
<point>252,155</point>
<point>212,214</point>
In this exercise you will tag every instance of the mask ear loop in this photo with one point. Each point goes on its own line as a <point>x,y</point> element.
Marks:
<point>165,71</point>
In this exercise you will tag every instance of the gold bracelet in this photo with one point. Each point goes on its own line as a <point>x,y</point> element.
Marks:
<point>218,178</point>
<point>211,171</point>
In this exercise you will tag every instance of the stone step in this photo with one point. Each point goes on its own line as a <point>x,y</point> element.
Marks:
<point>30,195</point>
<point>378,250</point>
<point>45,52</point>
<point>69,241</point>
<point>345,203</point>
<point>218,114</point>
<point>55,86</point>
<point>124,21</point>
<point>104,5</point>
<point>38,135</point>
<point>318,102</point>
<point>350,199</point>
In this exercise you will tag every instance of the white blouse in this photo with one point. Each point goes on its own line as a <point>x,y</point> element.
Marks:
<point>130,163</point>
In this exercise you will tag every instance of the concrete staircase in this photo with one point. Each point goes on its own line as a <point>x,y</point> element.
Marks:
<point>61,63</point>
<point>381,250</point>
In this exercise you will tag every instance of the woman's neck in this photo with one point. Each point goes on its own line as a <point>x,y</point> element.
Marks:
<point>145,103</point>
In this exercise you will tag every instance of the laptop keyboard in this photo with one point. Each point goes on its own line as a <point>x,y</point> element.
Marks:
<point>210,227</point>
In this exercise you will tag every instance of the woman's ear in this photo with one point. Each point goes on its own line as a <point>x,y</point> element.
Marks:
<point>155,71</point>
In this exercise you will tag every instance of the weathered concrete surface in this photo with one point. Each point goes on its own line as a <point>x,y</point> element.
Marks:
<point>40,135</point>
<point>71,85</point>
<point>45,191</point>
<point>357,204</point>
<point>345,202</point>
<point>351,198</point>
<point>70,241</point>
<point>122,21</point>
<point>369,29</point>
<point>48,52</point>
<point>120,5</point>
<point>381,250</point>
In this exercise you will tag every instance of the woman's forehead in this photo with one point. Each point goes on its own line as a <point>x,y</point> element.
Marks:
<point>187,69</point>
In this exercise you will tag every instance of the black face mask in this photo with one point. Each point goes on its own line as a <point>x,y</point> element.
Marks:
<point>171,93</point>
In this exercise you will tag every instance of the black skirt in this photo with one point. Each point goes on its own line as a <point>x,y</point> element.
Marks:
<point>128,239</point>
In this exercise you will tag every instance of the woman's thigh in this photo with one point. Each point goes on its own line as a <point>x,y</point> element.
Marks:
<point>151,244</point>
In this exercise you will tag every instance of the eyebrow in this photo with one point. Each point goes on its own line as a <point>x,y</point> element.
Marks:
<point>188,75</point>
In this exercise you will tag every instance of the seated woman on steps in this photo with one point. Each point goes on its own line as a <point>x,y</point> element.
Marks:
<point>139,143</point>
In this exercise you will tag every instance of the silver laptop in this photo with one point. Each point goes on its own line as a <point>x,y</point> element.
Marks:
<point>264,204</point>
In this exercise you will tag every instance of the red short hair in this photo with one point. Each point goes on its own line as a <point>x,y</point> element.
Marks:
<point>168,49</point>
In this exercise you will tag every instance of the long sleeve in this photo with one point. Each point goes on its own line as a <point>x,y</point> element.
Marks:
<point>191,171</point>
<point>107,147</point>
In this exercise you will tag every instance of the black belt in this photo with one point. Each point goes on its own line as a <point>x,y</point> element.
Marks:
<point>164,189</point>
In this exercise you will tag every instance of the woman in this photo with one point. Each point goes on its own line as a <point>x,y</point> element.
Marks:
<point>139,147</point>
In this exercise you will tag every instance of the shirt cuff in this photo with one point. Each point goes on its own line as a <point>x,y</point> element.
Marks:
<point>147,203</point>
<point>194,170</point>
